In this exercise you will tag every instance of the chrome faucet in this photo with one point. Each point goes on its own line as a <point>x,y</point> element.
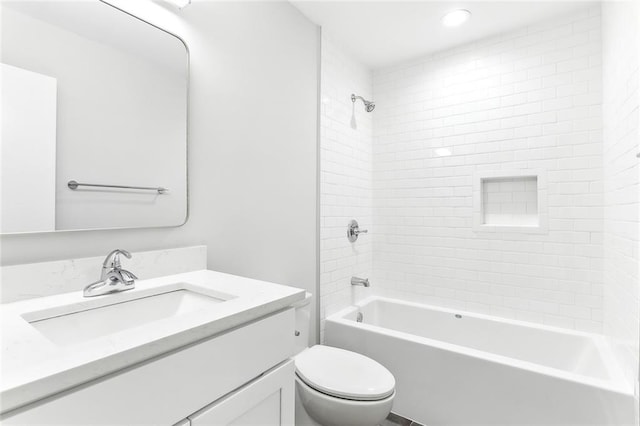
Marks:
<point>112,278</point>
<point>360,281</point>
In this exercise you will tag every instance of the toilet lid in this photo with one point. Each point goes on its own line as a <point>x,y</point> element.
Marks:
<point>344,374</point>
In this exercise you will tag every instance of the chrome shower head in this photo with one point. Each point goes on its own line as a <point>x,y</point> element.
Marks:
<point>368,105</point>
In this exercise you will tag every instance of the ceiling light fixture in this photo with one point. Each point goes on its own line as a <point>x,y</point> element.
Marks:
<point>180,4</point>
<point>455,18</point>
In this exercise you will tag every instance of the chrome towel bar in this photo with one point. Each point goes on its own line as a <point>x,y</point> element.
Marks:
<point>72,184</point>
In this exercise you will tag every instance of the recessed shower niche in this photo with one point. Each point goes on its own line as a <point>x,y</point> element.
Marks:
<point>510,201</point>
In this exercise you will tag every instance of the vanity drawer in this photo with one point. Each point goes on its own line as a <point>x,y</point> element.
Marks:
<point>266,401</point>
<point>167,389</point>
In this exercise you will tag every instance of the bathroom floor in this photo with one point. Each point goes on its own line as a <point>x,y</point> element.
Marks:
<point>396,420</point>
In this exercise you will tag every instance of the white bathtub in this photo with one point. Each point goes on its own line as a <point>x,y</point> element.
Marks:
<point>457,368</point>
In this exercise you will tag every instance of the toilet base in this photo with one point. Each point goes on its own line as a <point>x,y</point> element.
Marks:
<point>314,408</point>
<point>302,417</point>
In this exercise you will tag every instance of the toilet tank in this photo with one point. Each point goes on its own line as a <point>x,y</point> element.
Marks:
<point>303,322</point>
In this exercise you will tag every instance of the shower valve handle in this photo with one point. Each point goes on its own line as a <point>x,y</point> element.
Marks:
<point>353,230</point>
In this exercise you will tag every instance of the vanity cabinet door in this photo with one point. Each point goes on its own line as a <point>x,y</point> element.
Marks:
<point>269,400</point>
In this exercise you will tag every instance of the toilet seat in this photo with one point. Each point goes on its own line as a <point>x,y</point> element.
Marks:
<point>344,374</point>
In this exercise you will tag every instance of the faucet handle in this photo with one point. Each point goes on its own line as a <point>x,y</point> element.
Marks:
<point>128,274</point>
<point>353,230</point>
<point>123,276</point>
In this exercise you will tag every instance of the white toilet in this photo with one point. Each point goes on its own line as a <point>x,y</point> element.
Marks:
<point>336,387</point>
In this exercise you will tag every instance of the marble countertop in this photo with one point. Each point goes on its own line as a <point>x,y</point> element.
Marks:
<point>32,367</point>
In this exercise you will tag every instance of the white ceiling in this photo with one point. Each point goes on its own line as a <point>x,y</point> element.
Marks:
<point>383,33</point>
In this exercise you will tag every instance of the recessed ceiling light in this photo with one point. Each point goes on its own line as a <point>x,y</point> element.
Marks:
<point>456,18</point>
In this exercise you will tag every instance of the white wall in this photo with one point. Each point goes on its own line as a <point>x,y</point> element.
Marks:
<point>345,184</point>
<point>107,132</point>
<point>27,188</point>
<point>253,108</point>
<point>525,101</point>
<point>621,42</point>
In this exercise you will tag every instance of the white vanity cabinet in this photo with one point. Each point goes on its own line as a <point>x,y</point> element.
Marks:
<point>243,376</point>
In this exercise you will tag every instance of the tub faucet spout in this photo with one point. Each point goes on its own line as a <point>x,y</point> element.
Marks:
<point>360,281</point>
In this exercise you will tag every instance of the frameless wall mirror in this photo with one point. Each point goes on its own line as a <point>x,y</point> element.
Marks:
<point>95,96</point>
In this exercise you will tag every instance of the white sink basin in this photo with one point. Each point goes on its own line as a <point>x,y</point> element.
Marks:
<point>88,323</point>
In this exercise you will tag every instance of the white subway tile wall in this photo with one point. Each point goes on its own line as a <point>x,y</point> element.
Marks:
<point>530,99</point>
<point>622,178</point>
<point>510,201</point>
<point>345,182</point>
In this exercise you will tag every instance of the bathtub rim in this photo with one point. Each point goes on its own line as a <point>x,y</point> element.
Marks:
<point>616,383</point>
